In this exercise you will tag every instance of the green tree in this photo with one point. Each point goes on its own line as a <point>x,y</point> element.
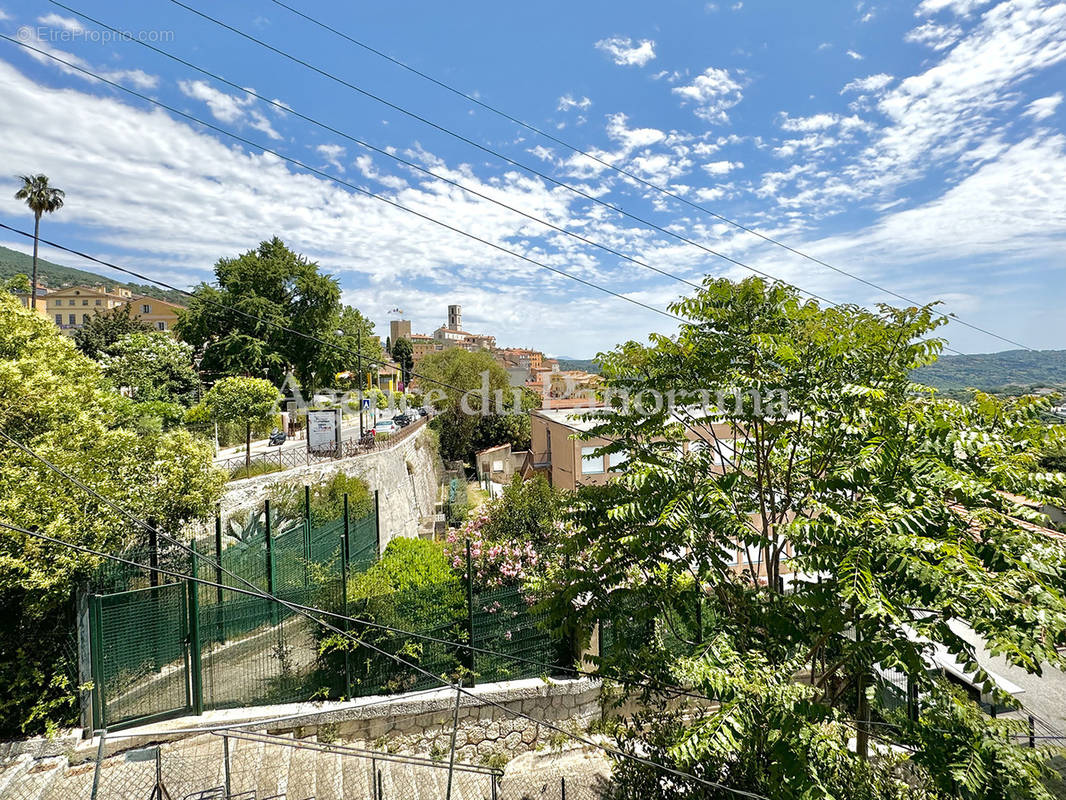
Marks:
<point>103,330</point>
<point>247,400</point>
<point>463,387</point>
<point>354,336</point>
<point>42,198</point>
<point>19,283</point>
<point>155,366</point>
<point>809,448</point>
<point>233,323</point>
<point>57,402</point>
<point>403,354</point>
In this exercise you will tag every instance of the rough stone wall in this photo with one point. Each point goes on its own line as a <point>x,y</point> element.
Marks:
<point>485,732</point>
<point>406,477</point>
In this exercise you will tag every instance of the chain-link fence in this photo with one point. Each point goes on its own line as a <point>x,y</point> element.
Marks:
<point>161,646</point>
<point>245,765</point>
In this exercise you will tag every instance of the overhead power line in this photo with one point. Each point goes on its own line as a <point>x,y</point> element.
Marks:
<point>255,591</point>
<point>562,184</point>
<point>287,109</point>
<point>342,182</point>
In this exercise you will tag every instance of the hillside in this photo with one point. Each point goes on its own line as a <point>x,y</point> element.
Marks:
<point>585,364</point>
<point>1025,369</point>
<point>56,276</point>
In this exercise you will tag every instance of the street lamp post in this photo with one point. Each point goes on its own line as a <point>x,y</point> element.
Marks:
<point>359,371</point>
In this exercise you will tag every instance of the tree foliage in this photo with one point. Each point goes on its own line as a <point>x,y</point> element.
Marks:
<point>155,366</point>
<point>234,323</point>
<point>103,330</point>
<point>57,402</point>
<point>403,354</point>
<point>465,388</point>
<point>822,460</point>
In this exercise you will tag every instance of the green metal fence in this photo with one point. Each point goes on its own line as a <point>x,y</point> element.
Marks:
<point>186,647</point>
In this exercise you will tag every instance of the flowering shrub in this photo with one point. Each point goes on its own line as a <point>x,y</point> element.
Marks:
<point>493,563</point>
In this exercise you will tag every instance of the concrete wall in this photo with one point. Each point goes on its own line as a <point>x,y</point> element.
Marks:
<point>406,476</point>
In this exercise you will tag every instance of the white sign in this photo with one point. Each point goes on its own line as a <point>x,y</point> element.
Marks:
<point>323,430</point>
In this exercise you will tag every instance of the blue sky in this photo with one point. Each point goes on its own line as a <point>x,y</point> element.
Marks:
<point>920,146</point>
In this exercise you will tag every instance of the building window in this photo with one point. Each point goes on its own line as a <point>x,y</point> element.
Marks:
<point>616,460</point>
<point>97,301</point>
<point>59,319</point>
<point>591,464</point>
<point>146,309</point>
<point>497,466</point>
<point>84,319</point>
<point>71,319</point>
<point>85,302</point>
<point>161,325</point>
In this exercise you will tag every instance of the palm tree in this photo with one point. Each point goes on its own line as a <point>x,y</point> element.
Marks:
<point>42,199</point>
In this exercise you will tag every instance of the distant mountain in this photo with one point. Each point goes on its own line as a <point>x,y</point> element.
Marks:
<point>56,276</point>
<point>1011,369</point>
<point>585,364</point>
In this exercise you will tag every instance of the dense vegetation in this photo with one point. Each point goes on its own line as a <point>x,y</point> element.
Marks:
<point>55,276</point>
<point>59,403</point>
<point>1020,369</point>
<point>903,505</point>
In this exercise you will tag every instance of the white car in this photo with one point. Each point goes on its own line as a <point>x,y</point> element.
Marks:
<point>386,426</point>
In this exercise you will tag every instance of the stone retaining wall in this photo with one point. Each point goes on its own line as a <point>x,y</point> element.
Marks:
<point>406,477</point>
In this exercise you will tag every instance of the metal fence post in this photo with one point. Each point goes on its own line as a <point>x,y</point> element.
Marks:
<point>1032,732</point>
<point>197,684</point>
<point>344,597</point>
<point>470,614</point>
<point>270,564</point>
<point>99,760</point>
<point>96,632</point>
<point>562,788</point>
<point>377,522</point>
<point>307,534</point>
<point>218,571</point>
<point>225,764</point>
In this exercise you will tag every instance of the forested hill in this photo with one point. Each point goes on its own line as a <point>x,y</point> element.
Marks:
<point>1027,369</point>
<point>56,276</point>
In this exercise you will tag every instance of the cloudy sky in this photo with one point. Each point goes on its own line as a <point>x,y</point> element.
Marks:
<point>920,147</point>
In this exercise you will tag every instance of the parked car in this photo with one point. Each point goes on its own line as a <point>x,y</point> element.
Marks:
<point>386,426</point>
<point>423,412</point>
<point>402,420</point>
<point>277,438</point>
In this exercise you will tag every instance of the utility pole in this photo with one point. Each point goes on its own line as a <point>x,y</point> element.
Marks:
<point>359,357</point>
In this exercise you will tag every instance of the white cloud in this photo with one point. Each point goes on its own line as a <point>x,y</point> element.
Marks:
<point>624,53</point>
<point>820,122</point>
<point>934,35</point>
<point>75,64</point>
<point>68,24</point>
<point>332,153</point>
<point>871,83</point>
<point>1044,107</point>
<point>567,102</point>
<point>4,15</point>
<point>229,108</point>
<point>962,8</point>
<point>632,138</point>
<point>712,93</point>
<point>854,55</point>
<point>722,167</point>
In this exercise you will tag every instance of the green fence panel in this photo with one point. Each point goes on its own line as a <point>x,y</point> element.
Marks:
<point>505,623</point>
<point>139,654</point>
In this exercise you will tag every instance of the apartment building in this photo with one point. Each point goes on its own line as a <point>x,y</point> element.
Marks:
<point>42,301</point>
<point>160,314</point>
<point>71,308</point>
<point>570,462</point>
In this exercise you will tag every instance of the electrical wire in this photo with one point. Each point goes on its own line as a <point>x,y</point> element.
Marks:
<point>544,176</point>
<point>287,109</point>
<point>341,181</point>
<point>398,659</point>
<point>622,171</point>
